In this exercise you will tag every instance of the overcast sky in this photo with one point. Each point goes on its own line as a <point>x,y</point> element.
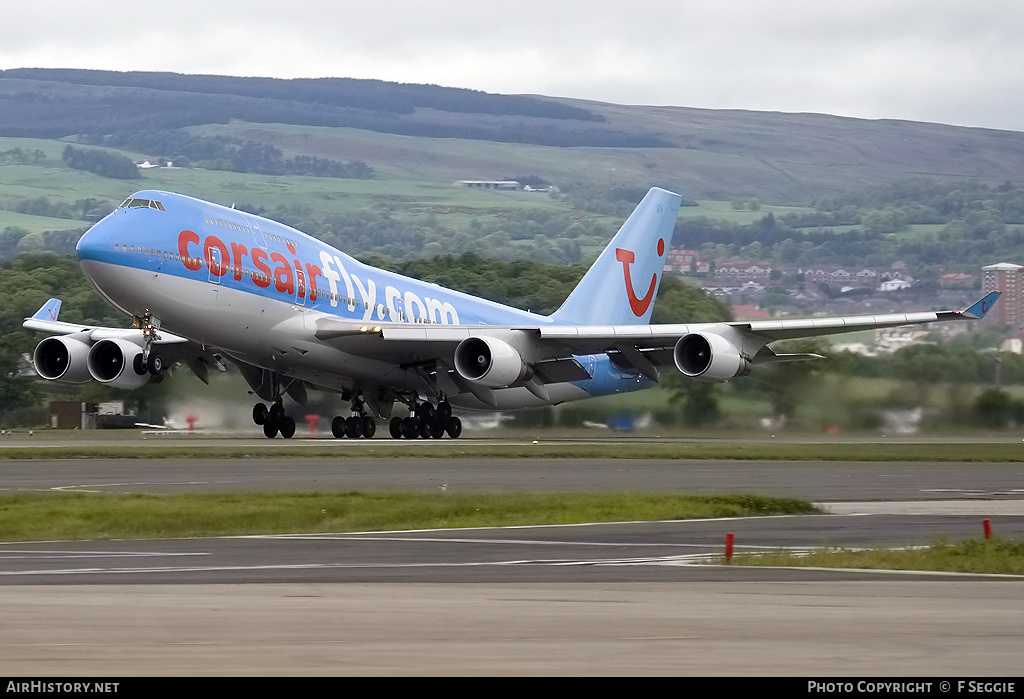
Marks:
<point>945,61</point>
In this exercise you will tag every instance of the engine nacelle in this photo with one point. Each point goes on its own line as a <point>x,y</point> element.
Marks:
<point>709,357</point>
<point>118,363</point>
<point>63,359</point>
<point>489,362</point>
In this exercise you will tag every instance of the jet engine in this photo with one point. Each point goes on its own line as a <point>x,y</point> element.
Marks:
<point>63,359</point>
<point>489,362</point>
<point>709,357</point>
<point>118,363</point>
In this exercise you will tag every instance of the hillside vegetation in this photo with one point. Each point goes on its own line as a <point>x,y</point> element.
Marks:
<point>432,133</point>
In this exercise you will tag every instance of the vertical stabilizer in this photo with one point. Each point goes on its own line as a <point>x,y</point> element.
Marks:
<point>620,288</point>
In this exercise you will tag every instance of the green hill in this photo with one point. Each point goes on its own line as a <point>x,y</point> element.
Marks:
<point>437,134</point>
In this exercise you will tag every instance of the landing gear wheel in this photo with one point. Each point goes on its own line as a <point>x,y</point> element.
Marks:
<point>338,427</point>
<point>270,429</point>
<point>436,429</point>
<point>369,427</point>
<point>396,428</point>
<point>156,365</point>
<point>454,428</point>
<point>444,412</point>
<point>410,428</point>
<point>287,427</point>
<point>276,413</point>
<point>259,414</point>
<point>424,411</point>
<point>354,427</point>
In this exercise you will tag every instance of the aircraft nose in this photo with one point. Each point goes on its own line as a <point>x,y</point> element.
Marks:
<point>98,242</point>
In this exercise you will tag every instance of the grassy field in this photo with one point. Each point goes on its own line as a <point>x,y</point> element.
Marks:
<point>994,556</point>
<point>38,224</point>
<point>411,195</point>
<point>62,516</point>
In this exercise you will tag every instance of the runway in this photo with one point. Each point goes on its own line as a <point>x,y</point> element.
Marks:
<point>620,598</point>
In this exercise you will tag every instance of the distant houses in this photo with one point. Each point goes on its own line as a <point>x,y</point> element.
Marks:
<point>740,275</point>
<point>488,184</point>
<point>504,185</point>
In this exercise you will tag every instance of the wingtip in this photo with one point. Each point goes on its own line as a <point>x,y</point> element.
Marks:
<point>48,311</point>
<point>981,307</point>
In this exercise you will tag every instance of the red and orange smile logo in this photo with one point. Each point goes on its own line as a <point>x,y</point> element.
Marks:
<point>639,305</point>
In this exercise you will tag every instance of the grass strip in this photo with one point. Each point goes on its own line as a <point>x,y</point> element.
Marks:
<point>62,516</point>
<point>769,451</point>
<point>994,555</point>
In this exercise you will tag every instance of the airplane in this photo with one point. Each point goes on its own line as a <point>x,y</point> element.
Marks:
<point>207,284</point>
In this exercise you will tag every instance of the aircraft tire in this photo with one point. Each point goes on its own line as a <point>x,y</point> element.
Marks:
<point>338,427</point>
<point>156,365</point>
<point>444,412</point>
<point>369,427</point>
<point>410,428</point>
<point>454,428</point>
<point>270,429</point>
<point>259,413</point>
<point>354,427</point>
<point>424,411</point>
<point>436,429</point>
<point>276,413</point>
<point>396,428</point>
<point>288,427</point>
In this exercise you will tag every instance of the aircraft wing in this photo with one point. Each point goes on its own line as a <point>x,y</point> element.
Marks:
<point>709,351</point>
<point>45,320</point>
<point>63,356</point>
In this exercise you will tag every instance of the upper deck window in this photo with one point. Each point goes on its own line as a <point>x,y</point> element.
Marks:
<point>142,204</point>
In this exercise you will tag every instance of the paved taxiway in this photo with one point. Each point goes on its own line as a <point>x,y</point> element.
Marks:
<point>623,598</point>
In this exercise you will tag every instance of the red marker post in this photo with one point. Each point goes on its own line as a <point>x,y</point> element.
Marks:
<point>987,524</point>
<point>313,421</point>
<point>728,547</point>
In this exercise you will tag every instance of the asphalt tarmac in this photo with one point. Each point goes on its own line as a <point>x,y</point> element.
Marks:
<point>607,599</point>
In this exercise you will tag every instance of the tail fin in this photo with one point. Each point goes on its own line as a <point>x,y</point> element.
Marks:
<point>608,294</point>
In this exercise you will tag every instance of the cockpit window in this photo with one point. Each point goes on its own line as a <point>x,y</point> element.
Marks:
<point>142,204</point>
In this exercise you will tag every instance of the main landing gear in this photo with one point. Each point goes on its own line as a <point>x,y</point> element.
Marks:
<point>357,426</point>
<point>427,422</point>
<point>274,420</point>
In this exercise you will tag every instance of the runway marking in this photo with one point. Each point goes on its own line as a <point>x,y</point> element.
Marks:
<point>8,554</point>
<point>445,540</point>
<point>695,560</point>
<point>738,518</point>
<point>81,487</point>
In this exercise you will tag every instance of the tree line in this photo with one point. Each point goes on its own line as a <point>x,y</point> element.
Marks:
<point>230,154</point>
<point>98,103</point>
<point>976,224</point>
<point>369,95</point>
<point>101,163</point>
